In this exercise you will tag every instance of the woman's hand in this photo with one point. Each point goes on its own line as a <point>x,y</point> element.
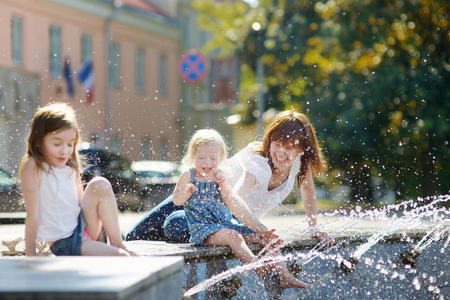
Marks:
<point>322,236</point>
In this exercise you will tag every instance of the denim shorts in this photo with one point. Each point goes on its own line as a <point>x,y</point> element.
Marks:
<point>70,245</point>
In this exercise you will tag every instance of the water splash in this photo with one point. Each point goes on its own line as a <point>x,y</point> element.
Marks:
<point>265,257</point>
<point>433,235</point>
<point>407,215</point>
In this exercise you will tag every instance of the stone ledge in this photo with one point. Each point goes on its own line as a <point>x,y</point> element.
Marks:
<point>191,252</point>
<point>90,277</point>
<point>12,217</point>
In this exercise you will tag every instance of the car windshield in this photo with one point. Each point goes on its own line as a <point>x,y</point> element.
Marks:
<point>6,178</point>
<point>106,160</point>
<point>157,174</point>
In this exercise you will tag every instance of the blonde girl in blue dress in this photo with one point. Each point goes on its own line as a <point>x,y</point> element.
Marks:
<point>207,197</point>
<point>58,210</point>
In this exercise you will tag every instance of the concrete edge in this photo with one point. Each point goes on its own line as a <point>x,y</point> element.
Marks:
<point>201,253</point>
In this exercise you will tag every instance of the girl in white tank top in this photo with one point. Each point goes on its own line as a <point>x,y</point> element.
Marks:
<point>58,211</point>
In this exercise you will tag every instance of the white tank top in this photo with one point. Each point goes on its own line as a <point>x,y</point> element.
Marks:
<point>260,200</point>
<point>58,203</point>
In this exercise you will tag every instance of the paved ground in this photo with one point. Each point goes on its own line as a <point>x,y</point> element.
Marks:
<point>127,221</point>
<point>289,226</point>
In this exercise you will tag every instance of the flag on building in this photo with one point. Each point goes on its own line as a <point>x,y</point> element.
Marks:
<point>68,76</point>
<point>86,77</point>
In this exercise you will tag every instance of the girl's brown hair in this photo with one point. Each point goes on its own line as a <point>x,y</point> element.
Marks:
<point>290,127</point>
<point>48,119</point>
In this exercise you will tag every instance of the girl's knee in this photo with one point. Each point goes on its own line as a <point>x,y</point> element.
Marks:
<point>100,185</point>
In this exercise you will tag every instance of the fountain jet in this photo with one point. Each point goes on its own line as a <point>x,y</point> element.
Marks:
<point>348,265</point>
<point>410,256</point>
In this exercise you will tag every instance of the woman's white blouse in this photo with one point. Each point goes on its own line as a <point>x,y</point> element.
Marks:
<point>260,200</point>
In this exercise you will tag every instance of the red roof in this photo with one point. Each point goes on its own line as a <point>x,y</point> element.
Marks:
<point>147,6</point>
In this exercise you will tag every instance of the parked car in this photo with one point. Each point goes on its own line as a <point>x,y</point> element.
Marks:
<point>117,169</point>
<point>158,178</point>
<point>10,196</point>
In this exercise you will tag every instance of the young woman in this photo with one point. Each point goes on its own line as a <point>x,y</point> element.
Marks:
<point>262,174</point>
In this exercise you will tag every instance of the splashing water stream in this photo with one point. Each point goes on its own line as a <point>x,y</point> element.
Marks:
<point>435,234</point>
<point>265,256</point>
<point>416,216</point>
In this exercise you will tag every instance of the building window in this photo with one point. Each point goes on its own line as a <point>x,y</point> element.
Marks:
<point>187,39</point>
<point>16,37</point>
<point>163,75</point>
<point>86,47</point>
<point>145,151</point>
<point>114,65</point>
<point>115,144</point>
<point>55,51</point>
<point>140,70</point>
<point>163,148</point>
<point>96,140</point>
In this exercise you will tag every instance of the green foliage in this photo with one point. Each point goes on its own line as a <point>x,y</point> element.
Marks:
<point>372,75</point>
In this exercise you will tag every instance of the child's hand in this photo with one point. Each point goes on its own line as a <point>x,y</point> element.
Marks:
<point>223,182</point>
<point>270,237</point>
<point>190,189</point>
<point>220,177</point>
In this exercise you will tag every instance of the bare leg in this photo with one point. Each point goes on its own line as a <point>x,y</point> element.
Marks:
<point>95,248</point>
<point>287,279</point>
<point>100,209</point>
<point>231,238</point>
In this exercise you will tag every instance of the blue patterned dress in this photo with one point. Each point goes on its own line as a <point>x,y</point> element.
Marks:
<point>206,213</point>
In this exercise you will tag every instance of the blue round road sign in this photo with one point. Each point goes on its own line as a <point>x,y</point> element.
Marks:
<point>193,66</point>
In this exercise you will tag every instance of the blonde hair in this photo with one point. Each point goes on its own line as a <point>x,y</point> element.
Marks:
<point>48,119</point>
<point>201,137</point>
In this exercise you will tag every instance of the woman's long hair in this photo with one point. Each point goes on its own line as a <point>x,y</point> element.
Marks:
<point>48,119</point>
<point>291,127</point>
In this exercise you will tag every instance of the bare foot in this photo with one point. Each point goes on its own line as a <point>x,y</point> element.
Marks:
<point>292,282</point>
<point>130,253</point>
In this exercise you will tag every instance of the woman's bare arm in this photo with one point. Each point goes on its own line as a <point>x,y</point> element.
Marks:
<point>308,192</point>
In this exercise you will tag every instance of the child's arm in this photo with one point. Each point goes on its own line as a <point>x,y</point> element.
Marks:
<point>30,190</point>
<point>80,190</point>
<point>183,190</point>
<point>237,206</point>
